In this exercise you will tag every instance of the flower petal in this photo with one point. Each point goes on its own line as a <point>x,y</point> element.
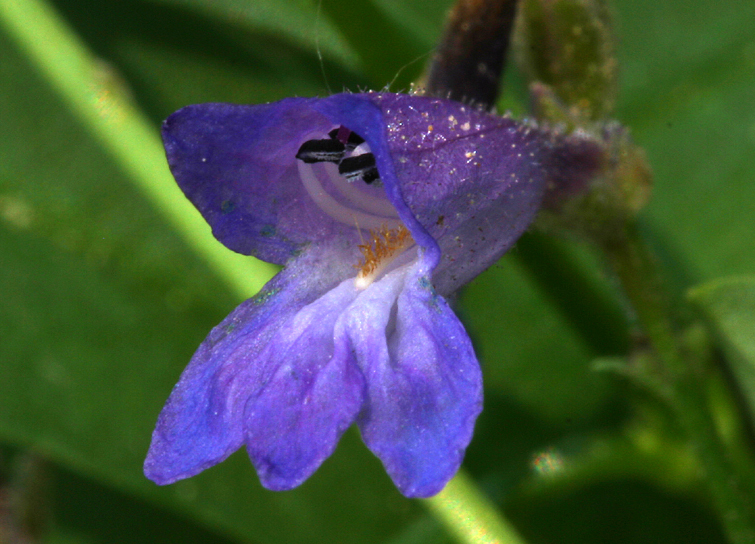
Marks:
<point>237,165</point>
<point>424,386</point>
<point>294,424</point>
<point>202,422</point>
<point>474,180</point>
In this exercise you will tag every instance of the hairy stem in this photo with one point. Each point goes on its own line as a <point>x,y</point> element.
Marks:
<point>638,272</point>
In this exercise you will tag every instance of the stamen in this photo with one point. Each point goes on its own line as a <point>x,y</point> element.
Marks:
<point>359,167</point>
<point>386,245</point>
<point>327,150</point>
<point>371,175</point>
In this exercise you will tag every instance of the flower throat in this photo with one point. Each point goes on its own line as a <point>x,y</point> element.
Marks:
<point>352,204</point>
<point>380,252</point>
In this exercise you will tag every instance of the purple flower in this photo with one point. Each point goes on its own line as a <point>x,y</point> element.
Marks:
<point>378,205</point>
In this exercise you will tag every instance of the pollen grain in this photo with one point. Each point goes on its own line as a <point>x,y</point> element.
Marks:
<point>384,246</point>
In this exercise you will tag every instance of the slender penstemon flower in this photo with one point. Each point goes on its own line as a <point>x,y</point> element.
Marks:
<point>378,205</point>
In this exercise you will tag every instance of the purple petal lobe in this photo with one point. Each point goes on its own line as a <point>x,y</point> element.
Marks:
<point>424,387</point>
<point>294,423</point>
<point>237,165</point>
<point>201,424</point>
<point>203,421</point>
<point>474,180</point>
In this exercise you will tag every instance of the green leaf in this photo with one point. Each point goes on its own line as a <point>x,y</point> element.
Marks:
<point>364,24</point>
<point>172,55</point>
<point>119,519</point>
<point>620,512</point>
<point>687,72</point>
<point>729,307</point>
<point>300,21</point>
<point>527,349</point>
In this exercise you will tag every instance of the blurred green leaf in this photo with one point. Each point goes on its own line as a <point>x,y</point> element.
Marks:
<point>365,24</point>
<point>172,55</point>
<point>688,69</point>
<point>527,349</point>
<point>297,20</point>
<point>579,290</point>
<point>87,512</point>
<point>614,512</point>
<point>729,306</point>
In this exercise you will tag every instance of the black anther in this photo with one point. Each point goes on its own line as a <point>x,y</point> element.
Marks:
<point>321,151</point>
<point>359,167</point>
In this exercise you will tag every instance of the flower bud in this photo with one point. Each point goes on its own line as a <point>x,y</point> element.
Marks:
<point>568,45</point>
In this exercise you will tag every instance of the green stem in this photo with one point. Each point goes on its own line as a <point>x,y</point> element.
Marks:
<point>638,271</point>
<point>94,94</point>
<point>469,515</point>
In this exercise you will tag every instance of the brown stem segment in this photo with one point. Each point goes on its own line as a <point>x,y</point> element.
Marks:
<point>468,62</point>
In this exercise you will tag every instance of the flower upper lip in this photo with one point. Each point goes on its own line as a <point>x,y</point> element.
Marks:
<point>243,183</point>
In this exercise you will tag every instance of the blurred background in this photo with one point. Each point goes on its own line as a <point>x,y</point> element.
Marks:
<point>103,298</point>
